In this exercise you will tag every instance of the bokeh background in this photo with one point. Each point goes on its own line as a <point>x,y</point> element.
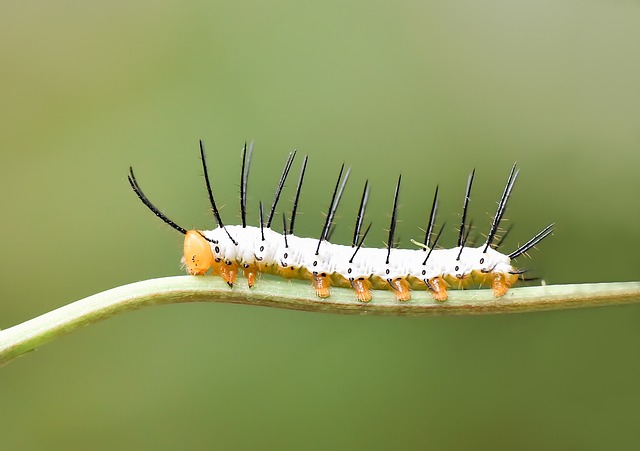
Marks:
<point>429,89</point>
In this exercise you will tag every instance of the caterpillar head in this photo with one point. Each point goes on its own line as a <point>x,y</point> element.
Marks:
<point>198,256</point>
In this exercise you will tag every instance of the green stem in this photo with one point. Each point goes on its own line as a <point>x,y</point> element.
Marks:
<point>24,337</point>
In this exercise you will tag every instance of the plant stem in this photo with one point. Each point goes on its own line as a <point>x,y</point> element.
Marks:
<point>24,337</point>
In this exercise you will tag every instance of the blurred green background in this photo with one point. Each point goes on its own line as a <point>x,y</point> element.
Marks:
<point>431,89</point>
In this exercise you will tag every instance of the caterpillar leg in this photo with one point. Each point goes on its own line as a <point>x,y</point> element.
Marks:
<point>400,287</point>
<point>438,288</point>
<point>321,283</point>
<point>250,271</point>
<point>216,267</point>
<point>229,271</point>
<point>362,287</point>
<point>501,282</point>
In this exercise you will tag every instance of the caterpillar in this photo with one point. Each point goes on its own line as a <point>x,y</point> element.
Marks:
<point>227,249</point>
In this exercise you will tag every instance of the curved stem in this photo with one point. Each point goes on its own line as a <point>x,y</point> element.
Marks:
<point>24,337</point>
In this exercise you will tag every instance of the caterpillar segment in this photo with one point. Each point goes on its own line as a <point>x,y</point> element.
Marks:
<point>227,250</point>
<point>395,272</point>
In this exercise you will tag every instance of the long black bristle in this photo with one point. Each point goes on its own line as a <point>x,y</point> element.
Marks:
<point>394,215</point>
<point>283,178</point>
<point>332,208</point>
<point>298,190</point>
<point>284,229</point>
<point>432,220</point>
<point>502,237</point>
<point>360,243</point>
<point>465,207</point>
<point>243,205</point>
<point>212,201</point>
<point>214,208</point>
<point>464,240</point>
<point>360,217</point>
<point>261,221</point>
<point>473,240</point>
<point>434,245</point>
<point>502,207</point>
<point>519,271</point>
<point>327,237</point>
<point>548,230</point>
<point>136,189</point>
<point>244,176</point>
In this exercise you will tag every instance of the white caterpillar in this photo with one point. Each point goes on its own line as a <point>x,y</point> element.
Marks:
<point>226,249</point>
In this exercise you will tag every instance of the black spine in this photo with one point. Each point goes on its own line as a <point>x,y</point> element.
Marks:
<point>335,199</point>
<point>261,221</point>
<point>502,207</point>
<point>214,208</point>
<point>501,239</point>
<point>136,189</point>
<point>284,230</point>
<point>434,245</point>
<point>298,190</point>
<point>361,211</point>
<point>283,179</point>
<point>392,227</point>
<point>244,177</point>
<point>465,208</point>
<point>327,236</point>
<point>360,243</point>
<point>432,220</point>
<point>548,230</point>
<point>464,240</point>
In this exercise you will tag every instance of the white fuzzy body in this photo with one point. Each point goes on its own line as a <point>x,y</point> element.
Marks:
<point>335,259</point>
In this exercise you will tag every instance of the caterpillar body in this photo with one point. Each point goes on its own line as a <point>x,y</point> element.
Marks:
<point>229,249</point>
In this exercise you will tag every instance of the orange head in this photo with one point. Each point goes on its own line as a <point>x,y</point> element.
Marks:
<point>197,253</point>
